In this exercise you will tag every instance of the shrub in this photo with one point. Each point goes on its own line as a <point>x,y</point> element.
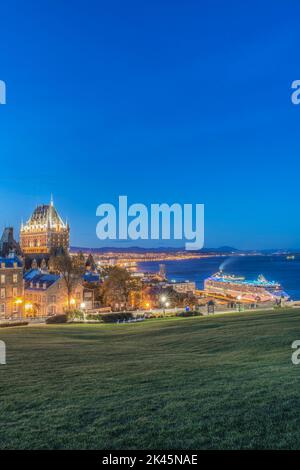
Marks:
<point>188,314</point>
<point>73,314</point>
<point>62,318</point>
<point>118,316</point>
<point>15,323</point>
<point>76,315</point>
<point>94,316</point>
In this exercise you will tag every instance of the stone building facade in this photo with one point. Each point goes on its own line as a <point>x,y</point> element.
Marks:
<point>11,287</point>
<point>45,294</point>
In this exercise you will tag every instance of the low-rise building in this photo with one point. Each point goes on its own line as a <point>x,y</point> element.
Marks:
<point>46,294</point>
<point>184,287</point>
<point>91,282</point>
<point>11,287</point>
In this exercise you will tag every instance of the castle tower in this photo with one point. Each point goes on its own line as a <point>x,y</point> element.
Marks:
<point>44,232</point>
<point>162,271</point>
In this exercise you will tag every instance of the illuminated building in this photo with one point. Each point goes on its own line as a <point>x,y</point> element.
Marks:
<point>44,232</point>
<point>45,294</point>
<point>91,282</point>
<point>185,287</point>
<point>11,286</point>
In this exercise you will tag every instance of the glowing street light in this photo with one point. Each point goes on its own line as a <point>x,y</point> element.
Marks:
<point>165,303</point>
<point>28,308</point>
<point>82,306</point>
<point>19,302</point>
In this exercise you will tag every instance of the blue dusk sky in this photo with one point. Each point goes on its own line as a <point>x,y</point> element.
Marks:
<point>162,101</point>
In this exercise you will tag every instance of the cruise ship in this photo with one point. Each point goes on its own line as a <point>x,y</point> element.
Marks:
<point>228,286</point>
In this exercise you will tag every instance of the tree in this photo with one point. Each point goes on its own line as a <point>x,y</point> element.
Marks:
<point>179,299</point>
<point>71,270</point>
<point>119,287</point>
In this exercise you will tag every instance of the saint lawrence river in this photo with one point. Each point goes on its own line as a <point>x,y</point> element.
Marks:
<point>274,268</point>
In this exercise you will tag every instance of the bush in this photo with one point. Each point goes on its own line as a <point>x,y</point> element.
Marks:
<point>15,323</point>
<point>76,315</point>
<point>62,318</point>
<point>188,314</point>
<point>118,316</point>
<point>94,317</point>
<point>73,314</point>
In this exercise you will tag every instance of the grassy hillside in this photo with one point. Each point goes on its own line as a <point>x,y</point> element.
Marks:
<point>199,383</point>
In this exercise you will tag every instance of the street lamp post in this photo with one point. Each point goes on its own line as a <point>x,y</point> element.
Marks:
<point>239,303</point>
<point>28,308</point>
<point>163,300</point>
<point>19,302</point>
<point>82,306</point>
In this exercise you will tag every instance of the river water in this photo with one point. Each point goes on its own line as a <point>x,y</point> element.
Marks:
<point>274,268</point>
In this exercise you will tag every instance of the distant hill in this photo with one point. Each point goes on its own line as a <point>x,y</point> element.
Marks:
<point>226,249</point>
<point>138,249</point>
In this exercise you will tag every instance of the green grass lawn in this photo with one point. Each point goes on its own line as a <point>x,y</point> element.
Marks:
<point>196,383</point>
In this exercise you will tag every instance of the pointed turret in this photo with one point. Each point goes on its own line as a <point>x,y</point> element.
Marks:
<point>34,264</point>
